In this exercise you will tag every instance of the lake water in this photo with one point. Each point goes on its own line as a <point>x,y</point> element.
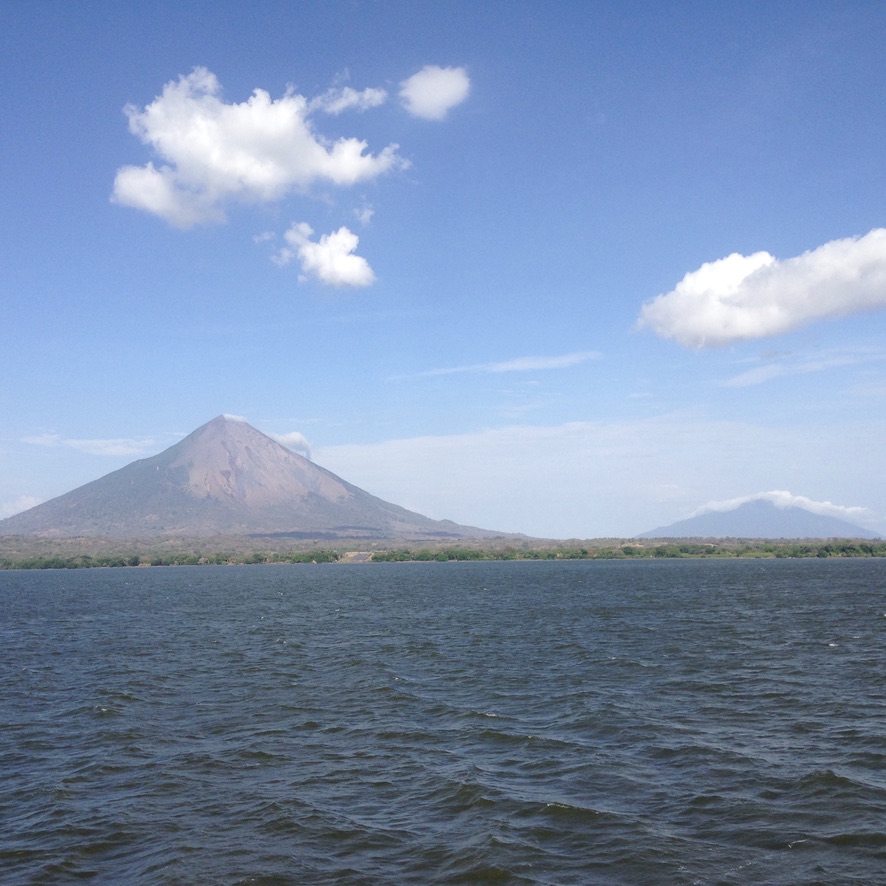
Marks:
<point>679,722</point>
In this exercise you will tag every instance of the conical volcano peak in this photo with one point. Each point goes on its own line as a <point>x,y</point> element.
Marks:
<point>225,424</point>
<point>232,422</point>
<point>229,460</point>
<point>226,478</point>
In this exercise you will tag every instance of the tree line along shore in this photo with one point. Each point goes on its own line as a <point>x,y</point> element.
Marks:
<point>182,554</point>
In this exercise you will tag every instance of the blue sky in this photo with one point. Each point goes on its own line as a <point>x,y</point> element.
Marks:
<point>568,269</point>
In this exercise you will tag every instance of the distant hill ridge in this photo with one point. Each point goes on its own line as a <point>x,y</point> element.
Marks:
<point>761,519</point>
<point>227,478</point>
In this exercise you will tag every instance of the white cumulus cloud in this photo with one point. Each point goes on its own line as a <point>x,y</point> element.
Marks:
<point>783,499</point>
<point>331,259</point>
<point>746,297</point>
<point>434,91</point>
<point>211,152</point>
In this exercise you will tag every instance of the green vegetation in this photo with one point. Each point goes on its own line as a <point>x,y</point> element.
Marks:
<point>71,554</point>
<point>85,561</point>
<point>729,548</point>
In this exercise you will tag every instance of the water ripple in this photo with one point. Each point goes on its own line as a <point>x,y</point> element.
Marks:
<point>587,723</point>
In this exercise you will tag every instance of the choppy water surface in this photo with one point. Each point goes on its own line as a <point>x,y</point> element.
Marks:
<point>711,722</point>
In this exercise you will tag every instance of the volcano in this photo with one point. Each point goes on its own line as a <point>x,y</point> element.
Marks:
<point>227,478</point>
<point>760,519</point>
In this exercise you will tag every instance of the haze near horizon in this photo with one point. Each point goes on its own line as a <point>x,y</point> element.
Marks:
<point>571,271</point>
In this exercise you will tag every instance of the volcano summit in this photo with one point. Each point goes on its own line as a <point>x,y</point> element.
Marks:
<point>227,478</point>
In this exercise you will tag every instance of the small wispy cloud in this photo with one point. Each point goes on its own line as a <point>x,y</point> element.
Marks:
<point>294,440</point>
<point>521,364</point>
<point>346,98</point>
<point>364,214</point>
<point>17,505</point>
<point>790,366</point>
<point>114,446</point>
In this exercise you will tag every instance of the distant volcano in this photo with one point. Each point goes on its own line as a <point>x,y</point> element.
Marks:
<point>759,519</point>
<point>227,478</point>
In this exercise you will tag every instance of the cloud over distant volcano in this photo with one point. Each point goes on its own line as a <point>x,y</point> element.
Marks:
<point>781,498</point>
